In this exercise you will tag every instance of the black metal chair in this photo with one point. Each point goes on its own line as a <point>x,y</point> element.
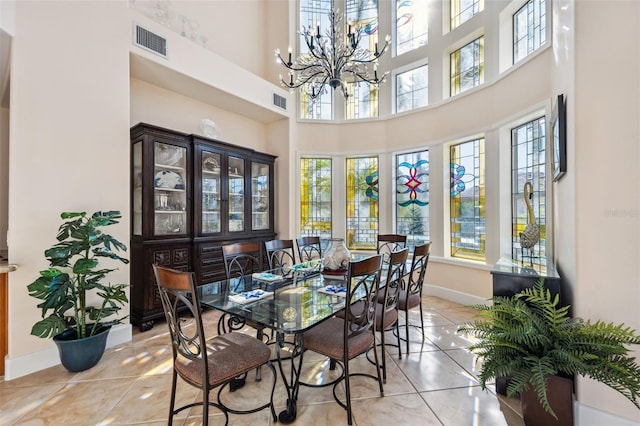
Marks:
<point>280,253</point>
<point>343,339</point>
<point>240,260</point>
<point>201,362</point>
<point>309,248</point>
<point>388,243</point>
<point>388,297</point>
<point>411,295</point>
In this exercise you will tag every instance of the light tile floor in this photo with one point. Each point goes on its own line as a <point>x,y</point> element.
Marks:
<point>435,384</point>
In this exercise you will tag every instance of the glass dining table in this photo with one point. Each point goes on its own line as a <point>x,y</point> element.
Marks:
<point>288,301</point>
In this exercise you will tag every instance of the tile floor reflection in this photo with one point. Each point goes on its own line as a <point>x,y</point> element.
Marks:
<point>434,385</point>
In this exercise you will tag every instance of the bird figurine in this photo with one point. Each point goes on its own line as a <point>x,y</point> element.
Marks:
<point>531,234</point>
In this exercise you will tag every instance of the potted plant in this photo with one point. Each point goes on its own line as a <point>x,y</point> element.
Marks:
<point>74,277</point>
<point>532,341</point>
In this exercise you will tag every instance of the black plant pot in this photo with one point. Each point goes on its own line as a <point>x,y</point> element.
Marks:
<point>81,354</point>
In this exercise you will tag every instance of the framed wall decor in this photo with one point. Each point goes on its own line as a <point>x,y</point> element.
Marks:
<point>559,138</point>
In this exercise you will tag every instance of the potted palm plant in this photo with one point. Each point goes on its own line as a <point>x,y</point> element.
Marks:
<point>536,344</point>
<point>74,277</point>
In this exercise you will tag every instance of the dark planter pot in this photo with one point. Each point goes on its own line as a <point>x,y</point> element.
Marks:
<point>81,354</point>
<point>560,395</point>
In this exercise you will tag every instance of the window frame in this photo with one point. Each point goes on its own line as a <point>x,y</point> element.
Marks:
<point>408,68</point>
<point>352,242</point>
<point>300,198</point>
<point>540,31</point>
<point>412,239</point>
<point>465,253</point>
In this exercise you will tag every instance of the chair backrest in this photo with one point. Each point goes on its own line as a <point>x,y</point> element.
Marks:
<point>280,253</point>
<point>418,268</point>
<point>309,248</point>
<point>180,300</point>
<point>388,243</point>
<point>394,280</point>
<point>363,279</point>
<point>242,259</point>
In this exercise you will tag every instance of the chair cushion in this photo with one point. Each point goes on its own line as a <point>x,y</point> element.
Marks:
<point>405,303</point>
<point>327,338</point>
<point>229,355</point>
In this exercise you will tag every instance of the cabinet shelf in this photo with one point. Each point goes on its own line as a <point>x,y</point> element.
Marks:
<point>159,188</point>
<point>167,167</point>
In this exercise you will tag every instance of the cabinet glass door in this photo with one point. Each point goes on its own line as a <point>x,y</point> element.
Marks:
<point>169,189</point>
<point>137,189</point>
<point>210,167</point>
<point>259,196</point>
<point>236,194</point>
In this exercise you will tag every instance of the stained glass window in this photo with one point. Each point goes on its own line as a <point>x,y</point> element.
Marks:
<point>412,196</point>
<point>467,200</point>
<point>411,25</point>
<point>315,197</point>
<point>362,101</point>
<point>363,97</point>
<point>463,10</point>
<point>362,203</point>
<point>467,66</point>
<point>412,89</point>
<point>313,12</point>
<point>529,28</point>
<point>528,164</point>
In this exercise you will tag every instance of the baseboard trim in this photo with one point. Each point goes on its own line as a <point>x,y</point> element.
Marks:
<point>35,361</point>
<point>589,416</point>
<point>454,295</point>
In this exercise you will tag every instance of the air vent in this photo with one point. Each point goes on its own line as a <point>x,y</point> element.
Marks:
<point>280,101</point>
<point>149,41</point>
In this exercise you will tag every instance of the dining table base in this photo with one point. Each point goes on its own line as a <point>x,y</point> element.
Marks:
<point>292,383</point>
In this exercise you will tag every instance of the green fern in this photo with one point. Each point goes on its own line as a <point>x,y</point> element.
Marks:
<point>528,338</point>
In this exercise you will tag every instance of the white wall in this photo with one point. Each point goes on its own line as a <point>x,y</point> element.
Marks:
<point>4,176</point>
<point>154,105</point>
<point>606,125</point>
<point>69,142</point>
<point>225,24</point>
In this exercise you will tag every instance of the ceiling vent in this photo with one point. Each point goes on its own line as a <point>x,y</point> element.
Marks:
<point>280,101</point>
<point>149,40</point>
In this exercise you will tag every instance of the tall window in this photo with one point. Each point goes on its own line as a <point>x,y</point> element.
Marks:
<point>315,197</point>
<point>411,25</point>
<point>467,200</point>
<point>363,98</point>
<point>467,66</point>
<point>463,10</point>
<point>412,196</point>
<point>313,12</point>
<point>412,89</point>
<point>362,101</point>
<point>362,202</point>
<point>529,28</point>
<point>528,165</point>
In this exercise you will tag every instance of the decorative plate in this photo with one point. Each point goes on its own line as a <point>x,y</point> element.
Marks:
<point>168,179</point>
<point>210,164</point>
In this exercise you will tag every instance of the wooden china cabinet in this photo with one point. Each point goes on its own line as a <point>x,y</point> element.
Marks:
<point>190,195</point>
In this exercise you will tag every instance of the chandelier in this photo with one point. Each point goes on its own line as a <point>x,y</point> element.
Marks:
<point>333,58</point>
